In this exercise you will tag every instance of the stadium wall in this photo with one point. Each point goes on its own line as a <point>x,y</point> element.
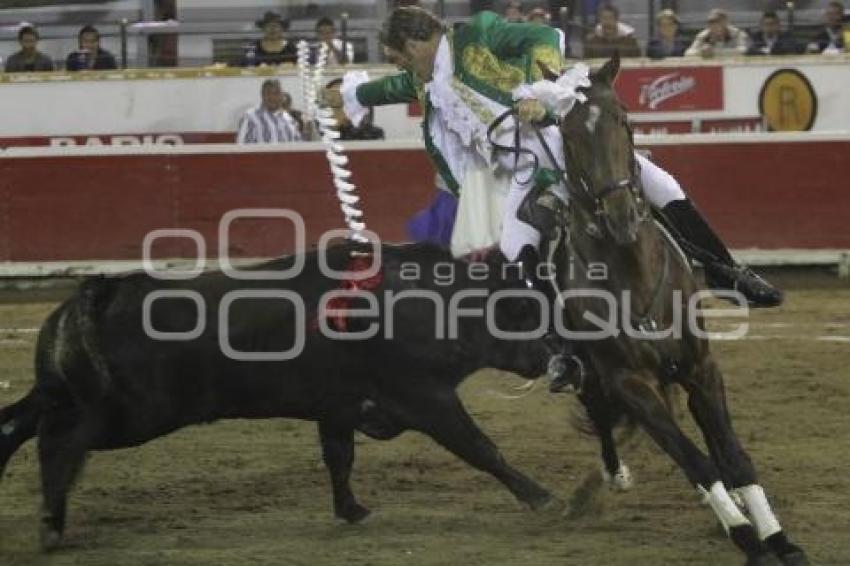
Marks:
<point>93,205</point>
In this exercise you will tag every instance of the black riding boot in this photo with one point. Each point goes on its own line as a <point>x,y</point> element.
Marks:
<point>700,242</point>
<point>564,367</point>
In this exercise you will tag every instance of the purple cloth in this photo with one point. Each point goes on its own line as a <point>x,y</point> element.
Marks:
<point>435,223</point>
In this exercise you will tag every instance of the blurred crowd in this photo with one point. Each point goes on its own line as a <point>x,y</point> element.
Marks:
<point>275,121</point>
<point>720,37</point>
<point>606,33</point>
<point>274,47</point>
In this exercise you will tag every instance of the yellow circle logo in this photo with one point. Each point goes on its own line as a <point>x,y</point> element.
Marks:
<point>788,102</point>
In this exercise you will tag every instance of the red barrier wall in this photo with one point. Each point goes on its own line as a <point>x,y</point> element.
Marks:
<point>766,195</point>
<point>771,195</point>
<point>101,207</point>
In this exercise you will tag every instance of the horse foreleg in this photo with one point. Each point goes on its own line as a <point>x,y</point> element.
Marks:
<point>707,403</point>
<point>603,419</point>
<point>645,404</point>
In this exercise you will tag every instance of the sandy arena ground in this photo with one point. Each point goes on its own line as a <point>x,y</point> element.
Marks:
<point>243,492</point>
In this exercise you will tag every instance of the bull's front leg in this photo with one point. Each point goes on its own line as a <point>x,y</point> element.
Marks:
<point>338,454</point>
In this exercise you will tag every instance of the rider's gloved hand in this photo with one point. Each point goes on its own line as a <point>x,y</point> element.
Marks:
<point>530,110</point>
<point>331,97</point>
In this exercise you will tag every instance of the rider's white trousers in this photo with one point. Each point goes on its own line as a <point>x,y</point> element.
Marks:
<point>659,186</point>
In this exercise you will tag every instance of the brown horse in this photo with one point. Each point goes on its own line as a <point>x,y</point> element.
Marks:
<point>653,334</point>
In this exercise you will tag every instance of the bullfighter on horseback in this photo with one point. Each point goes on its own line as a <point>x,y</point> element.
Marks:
<point>467,81</point>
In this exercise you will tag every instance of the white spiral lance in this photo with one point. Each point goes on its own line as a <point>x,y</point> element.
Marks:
<point>346,192</point>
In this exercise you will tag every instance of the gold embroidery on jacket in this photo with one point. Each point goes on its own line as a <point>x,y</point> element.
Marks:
<point>550,57</point>
<point>484,66</point>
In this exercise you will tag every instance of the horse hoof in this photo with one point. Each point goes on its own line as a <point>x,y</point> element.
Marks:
<point>51,540</point>
<point>353,514</point>
<point>797,558</point>
<point>787,551</point>
<point>764,559</point>
<point>620,481</point>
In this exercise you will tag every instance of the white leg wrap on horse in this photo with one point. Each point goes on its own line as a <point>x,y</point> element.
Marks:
<point>620,481</point>
<point>659,186</point>
<point>756,503</point>
<point>725,509</point>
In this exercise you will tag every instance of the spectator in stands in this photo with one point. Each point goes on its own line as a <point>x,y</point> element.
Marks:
<point>286,105</point>
<point>348,131</point>
<point>29,59</point>
<point>719,38</point>
<point>273,48</point>
<point>607,15</point>
<point>770,40</point>
<point>269,122</point>
<point>611,36</point>
<point>831,37</point>
<point>513,12</point>
<point>90,55</point>
<point>667,42</point>
<point>538,16</point>
<point>338,54</point>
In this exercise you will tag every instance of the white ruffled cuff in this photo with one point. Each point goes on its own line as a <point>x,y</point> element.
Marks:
<point>521,92</point>
<point>352,107</point>
<point>558,97</point>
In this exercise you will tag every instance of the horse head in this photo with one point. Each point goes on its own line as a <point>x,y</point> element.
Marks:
<point>600,162</point>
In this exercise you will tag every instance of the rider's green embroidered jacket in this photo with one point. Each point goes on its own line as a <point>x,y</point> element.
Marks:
<point>490,55</point>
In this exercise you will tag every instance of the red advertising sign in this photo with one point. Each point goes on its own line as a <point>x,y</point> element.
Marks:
<point>671,89</point>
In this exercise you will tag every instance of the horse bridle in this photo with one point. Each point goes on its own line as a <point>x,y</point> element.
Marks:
<point>594,201</point>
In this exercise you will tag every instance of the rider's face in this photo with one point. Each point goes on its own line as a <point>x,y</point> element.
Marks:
<point>417,58</point>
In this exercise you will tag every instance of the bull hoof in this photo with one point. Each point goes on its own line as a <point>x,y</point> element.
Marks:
<point>547,506</point>
<point>353,513</point>
<point>51,539</point>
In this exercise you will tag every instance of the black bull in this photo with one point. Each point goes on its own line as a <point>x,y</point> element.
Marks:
<point>102,382</point>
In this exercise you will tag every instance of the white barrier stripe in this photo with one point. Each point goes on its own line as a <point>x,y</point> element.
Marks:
<point>415,144</point>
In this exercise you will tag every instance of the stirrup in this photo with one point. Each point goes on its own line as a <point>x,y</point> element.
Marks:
<point>540,208</point>
<point>567,373</point>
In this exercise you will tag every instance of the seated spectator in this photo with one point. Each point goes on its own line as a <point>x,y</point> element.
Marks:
<point>831,37</point>
<point>623,29</point>
<point>610,37</point>
<point>538,16</point>
<point>667,42</point>
<point>719,38</point>
<point>90,55</point>
<point>513,12</point>
<point>29,59</point>
<point>273,48</point>
<point>286,105</point>
<point>348,131</point>
<point>770,40</point>
<point>269,122</point>
<point>338,54</point>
